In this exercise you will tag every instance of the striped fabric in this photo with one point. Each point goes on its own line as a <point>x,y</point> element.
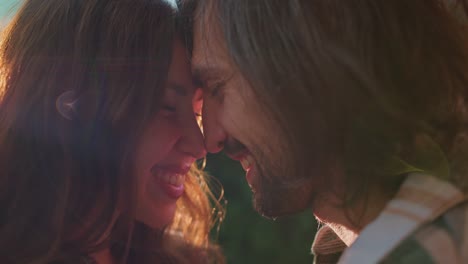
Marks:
<point>327,246</point>
<point>426,222</point>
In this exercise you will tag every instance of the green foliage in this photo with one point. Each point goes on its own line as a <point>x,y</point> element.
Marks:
<point>247,237</point>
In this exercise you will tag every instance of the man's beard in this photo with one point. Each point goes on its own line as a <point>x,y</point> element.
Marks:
<point>274,198</point>
<point>277,191</point>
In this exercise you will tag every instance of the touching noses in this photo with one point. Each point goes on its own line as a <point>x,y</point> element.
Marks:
<point>214,133</point>
<point>191,141</point>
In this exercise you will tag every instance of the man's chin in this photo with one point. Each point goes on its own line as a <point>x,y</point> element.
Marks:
<point>274,198</point>
<point>273,206</point>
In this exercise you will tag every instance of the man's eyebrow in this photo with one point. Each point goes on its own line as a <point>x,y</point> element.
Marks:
<point>204,73</point>
<point>178,88</point>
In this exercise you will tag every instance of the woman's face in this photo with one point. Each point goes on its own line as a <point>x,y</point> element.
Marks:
<point>170,144</point>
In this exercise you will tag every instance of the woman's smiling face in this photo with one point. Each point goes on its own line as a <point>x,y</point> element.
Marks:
<point>170,144</point>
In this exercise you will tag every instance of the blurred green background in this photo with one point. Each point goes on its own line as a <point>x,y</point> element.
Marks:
<point>245,236</point>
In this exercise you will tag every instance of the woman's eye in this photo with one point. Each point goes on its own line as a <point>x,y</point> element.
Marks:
<point>169,108</point>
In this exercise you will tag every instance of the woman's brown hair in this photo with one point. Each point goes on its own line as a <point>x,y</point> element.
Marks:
<point>365,84</point>
<point>63,182</point>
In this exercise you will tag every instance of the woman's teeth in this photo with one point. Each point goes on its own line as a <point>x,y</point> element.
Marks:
<point>247,162</point>
<point>171,178</point>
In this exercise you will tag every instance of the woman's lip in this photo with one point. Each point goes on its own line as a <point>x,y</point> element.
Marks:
<point>172,191</point>
<point>171,179</point>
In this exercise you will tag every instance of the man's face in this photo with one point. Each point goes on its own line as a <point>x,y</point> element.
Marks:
<point>234,120</point>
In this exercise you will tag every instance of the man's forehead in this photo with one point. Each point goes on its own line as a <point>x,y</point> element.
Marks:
<point>208,53</point>
<point>210,57</point>
<point>210,64</point>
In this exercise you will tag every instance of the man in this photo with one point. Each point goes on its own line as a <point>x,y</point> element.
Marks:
<point>353,109</point>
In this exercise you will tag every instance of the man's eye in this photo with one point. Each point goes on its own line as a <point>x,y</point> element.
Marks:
<point>217,89</point>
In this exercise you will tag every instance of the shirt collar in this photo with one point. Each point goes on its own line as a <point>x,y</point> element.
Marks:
<point>420,199</point>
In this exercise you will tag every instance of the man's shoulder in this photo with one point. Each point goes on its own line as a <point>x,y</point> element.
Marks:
<point>444,240</point>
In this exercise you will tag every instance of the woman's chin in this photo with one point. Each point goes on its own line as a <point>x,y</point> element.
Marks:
<point>157,219</point>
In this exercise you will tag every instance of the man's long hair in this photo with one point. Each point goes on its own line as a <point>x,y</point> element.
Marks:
<point>356,83</point>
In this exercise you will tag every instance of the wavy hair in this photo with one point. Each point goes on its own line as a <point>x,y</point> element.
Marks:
<point>378,87</point>
<point>62,181</point>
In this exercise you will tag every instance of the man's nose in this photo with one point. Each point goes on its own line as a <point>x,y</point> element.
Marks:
<point>214,133</point>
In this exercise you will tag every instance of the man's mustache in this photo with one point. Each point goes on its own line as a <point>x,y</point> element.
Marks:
<point>233,146</point>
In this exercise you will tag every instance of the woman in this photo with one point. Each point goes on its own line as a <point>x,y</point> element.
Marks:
<point>98,136</point>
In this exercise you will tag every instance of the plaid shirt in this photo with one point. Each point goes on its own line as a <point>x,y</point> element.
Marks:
<point>426,222</point>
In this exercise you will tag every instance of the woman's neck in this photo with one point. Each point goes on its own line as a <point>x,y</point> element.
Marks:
<point>104,257</point>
